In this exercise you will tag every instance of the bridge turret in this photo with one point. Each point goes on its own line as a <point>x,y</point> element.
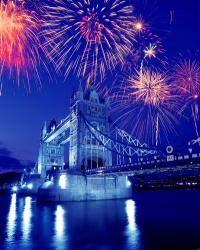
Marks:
<point>52,126</point>
<point>51,152</point>
<point>85,150</point>
<point>44,130</point>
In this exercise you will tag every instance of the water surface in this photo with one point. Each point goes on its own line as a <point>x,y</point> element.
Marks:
<point>152,220</point>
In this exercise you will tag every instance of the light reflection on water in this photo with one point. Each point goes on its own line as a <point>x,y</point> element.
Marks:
<point>130,211</point>
<point>26,221</point>
<point>59,221</point>
<point>11,220</point>
<point>132,231</point>
<point>54,220</point>
<point>150,221</point>
<point>60,237</point>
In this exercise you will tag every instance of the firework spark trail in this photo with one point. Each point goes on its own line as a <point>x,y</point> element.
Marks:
<point>147,103</point>
<point>19,43</point>
<point>186,78</point>
<point>88,36</point>
<point>172,13</point>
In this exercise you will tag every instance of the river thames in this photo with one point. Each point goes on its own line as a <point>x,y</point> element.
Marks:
<point>151,220</point>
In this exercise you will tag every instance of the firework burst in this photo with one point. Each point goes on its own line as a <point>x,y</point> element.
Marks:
<point>18,41</point>
<point>150,88</point>
<point>140,25</point>
<point>186,77</point>
<point>88,37</point>
<point>150,51</point>
<point>147,102</point>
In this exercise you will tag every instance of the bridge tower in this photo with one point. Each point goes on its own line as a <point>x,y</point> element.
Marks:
<point>85,151</point>
<point>50,154</point>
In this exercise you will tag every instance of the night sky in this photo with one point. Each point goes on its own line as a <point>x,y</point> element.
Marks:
<point>22,115</point>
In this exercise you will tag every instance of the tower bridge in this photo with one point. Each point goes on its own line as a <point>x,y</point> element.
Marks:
<point>101,155</point>
<point>94,141</point>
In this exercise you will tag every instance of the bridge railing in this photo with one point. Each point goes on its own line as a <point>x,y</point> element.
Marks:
<point>184,160</point>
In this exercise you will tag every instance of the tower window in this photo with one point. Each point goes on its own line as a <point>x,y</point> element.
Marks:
<point>53,151</point>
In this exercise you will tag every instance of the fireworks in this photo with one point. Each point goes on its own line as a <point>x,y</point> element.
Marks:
<point>150,88</point>
<point>147,102</point>
<point>187,77</point>
<point>139,25</point>
<point>147,50</point>
<point>88,37</point>
<point>91,37</point>
<point>18,41</point>
<point>187,82</point>
<point>150,51</point>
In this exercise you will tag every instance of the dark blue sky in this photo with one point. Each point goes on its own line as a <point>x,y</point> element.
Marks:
<point>22,115</point>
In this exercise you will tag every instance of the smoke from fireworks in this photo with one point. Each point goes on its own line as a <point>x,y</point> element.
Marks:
<point>88,37</point>
<point>147,103</point>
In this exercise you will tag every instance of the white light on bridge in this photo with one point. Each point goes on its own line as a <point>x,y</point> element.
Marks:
<point>128,183</point>
<point>63,181</point>
<point>30,186</point>
<point>14,189</point>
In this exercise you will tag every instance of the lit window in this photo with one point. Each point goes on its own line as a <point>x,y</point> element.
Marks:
<point>53,151</point>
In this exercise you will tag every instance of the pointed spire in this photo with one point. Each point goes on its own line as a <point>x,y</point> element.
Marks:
<point>79,93</point>
<point>90,82</point>
<point>44,130</point>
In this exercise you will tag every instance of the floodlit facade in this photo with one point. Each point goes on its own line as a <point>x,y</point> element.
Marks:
<point>85,150</point>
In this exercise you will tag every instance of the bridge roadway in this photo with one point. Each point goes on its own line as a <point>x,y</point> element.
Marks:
<point>141,168</point>
<point>148,167</point>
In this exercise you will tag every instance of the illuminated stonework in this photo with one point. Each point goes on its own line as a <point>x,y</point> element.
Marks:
<point>85,150</point>
<point>50,154</point>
